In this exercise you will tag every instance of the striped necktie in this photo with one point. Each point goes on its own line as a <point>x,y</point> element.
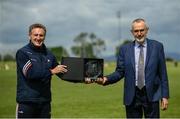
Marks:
<point>140,81</point>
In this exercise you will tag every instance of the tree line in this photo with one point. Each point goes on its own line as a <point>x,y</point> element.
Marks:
<point>85,45</point>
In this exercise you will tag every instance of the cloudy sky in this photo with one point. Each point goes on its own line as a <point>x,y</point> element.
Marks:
<point>65,19</point>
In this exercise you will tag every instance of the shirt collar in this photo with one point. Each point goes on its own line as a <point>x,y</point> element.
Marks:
<point>144,44</point>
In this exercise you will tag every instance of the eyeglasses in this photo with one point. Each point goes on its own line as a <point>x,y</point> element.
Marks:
<point>141,30</point>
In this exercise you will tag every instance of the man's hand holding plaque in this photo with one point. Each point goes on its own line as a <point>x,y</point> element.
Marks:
<point>101,81</point>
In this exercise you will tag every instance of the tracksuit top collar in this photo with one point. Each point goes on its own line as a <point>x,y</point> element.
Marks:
<point>42,49</point>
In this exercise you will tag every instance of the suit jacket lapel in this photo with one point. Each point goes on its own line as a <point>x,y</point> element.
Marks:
<point>148,53</point>
<point>132,54</point>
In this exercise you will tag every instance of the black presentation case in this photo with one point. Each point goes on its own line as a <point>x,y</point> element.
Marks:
<point>81,68</point>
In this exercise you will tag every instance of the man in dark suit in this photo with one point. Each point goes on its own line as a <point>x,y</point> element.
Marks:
<point>142,65</point>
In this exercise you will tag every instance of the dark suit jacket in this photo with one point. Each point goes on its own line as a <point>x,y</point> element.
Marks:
<point>156,79</point>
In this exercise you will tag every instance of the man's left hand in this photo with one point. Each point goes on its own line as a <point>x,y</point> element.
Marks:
<point>164,103</point>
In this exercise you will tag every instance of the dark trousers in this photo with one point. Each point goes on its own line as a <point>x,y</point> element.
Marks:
<point>141,105</point>
<point>33,110</point>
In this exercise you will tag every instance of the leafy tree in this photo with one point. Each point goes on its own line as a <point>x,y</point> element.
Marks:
<point>118,47</point>
<point>8,57</point>
<point>169,59</point>
<point>76,50</point>
<point>89,50</point>
<point>99,46</point>
<point>0,57</point>
<point>59,52</point>
<point>87,45</point>
<point>80,40</point>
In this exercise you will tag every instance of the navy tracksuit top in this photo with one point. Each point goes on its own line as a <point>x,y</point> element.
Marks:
<point>33,74</point>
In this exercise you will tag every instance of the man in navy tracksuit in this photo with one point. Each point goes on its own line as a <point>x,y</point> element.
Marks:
<point>35,66</point>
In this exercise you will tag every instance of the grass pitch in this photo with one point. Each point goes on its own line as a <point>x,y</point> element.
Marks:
<point>78,100</point>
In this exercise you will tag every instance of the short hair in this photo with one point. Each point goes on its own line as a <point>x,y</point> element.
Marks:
<point>139,20</point>
<point>37,25</point>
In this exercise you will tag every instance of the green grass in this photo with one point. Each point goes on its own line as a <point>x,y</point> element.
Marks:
<point>84,100</point>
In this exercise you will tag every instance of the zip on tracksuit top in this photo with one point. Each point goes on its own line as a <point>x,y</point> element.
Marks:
<point>33,74</point>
